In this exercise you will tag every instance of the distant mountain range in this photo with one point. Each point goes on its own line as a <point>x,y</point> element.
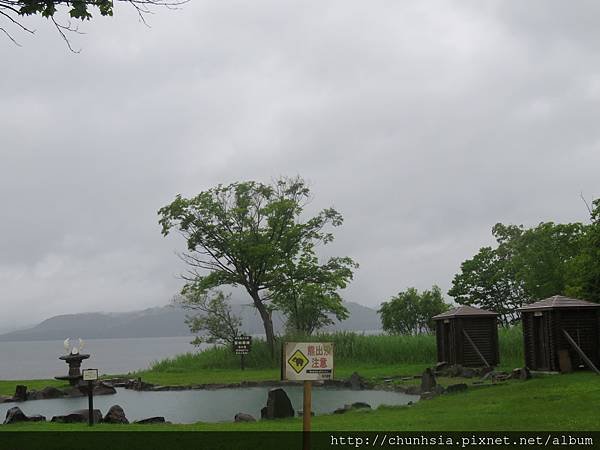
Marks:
<point>166,321</point>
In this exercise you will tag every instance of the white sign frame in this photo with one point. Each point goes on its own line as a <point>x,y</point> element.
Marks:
<point>89,374</point>
<point>307,361</point>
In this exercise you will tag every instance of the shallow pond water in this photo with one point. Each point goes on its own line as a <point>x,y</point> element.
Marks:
<point>219,405</point>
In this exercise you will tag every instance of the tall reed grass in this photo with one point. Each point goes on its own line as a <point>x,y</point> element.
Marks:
<point>350,349</point>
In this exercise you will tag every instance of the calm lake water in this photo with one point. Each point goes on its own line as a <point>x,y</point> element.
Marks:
<point>219,405</point>
<point>39,359</point>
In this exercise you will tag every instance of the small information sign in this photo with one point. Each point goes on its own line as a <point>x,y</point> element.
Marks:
<point>242,345</point>
<point>90,374</point>
<point>307,361</point>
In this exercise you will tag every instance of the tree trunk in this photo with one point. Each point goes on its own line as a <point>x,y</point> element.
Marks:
<point>267,321</point>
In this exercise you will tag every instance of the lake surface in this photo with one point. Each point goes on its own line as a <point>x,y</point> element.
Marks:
<point>219,405</point>
<point>39,359</point>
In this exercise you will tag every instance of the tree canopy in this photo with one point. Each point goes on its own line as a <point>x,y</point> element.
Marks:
<point>411,312</point>
<point>253,235</point>
<point>487,281</point>
<point>584,274</point>
<point>307,292</point>
<point>528,264</point>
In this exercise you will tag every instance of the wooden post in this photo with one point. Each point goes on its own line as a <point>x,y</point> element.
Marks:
<point>91,403</point>
<point>306,415</point>
<point>587,360</point>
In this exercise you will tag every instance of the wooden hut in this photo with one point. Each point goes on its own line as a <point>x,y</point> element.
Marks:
<point>561,333</point>
<point>467,336</point>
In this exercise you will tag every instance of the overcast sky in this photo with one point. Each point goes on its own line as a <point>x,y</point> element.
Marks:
<point>423,123</point>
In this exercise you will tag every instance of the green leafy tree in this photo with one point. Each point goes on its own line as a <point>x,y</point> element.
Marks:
<point>12,11</point>
<point>540,256</point>
<point>307,292</point>
<point>527,265</point>
<point>411,312</point>
<point>584,273</point>
<point>245,234</point>
<point>214,320</point>
<point>488,281</point>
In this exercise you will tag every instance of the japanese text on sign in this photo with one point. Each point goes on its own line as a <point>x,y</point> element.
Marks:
<point>242,345</point>
<point>308,361</point>
<point>90,374</point>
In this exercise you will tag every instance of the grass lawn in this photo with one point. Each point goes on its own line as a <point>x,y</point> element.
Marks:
<point>200,376</point>
<point>558,402</point>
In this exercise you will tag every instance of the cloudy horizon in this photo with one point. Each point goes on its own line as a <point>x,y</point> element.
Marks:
<point>424,124</point>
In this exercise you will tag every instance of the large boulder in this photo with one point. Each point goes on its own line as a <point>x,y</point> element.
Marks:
<point>278,406</point>
<point>81,390</point>
<point>74,391</point>
<point>48,392</point>
<point>428,381</point>
<point>139,385</point>
<point>20,393</point>
<point>356,382</point>
<point>79,416</point>
<point>115,415</point>
<point>102,388</point>
<point>151,420</point>
<point>14,415</point>
<point>243,417</point>
<point>36,418</point>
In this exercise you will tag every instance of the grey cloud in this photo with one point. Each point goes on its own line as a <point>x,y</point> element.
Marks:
<point>423,123</point>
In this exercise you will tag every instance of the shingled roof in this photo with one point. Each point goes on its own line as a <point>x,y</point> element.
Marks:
<point>465,311</point>
<point>559,301</point>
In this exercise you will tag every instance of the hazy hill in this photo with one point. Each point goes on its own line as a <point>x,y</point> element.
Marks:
<point>164,322</point>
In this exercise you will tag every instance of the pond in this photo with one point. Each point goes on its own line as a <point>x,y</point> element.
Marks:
<point>218,405</point>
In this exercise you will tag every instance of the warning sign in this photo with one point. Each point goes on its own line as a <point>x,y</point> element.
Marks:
<point>298,361</point>
<point>307,361</point>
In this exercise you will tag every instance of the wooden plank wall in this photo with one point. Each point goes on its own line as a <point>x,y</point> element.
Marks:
<point>483,332</point>
<point>582,326</point>
<point>528,340</point>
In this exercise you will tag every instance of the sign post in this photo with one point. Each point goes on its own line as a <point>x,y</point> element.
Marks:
<point>306,415</point>
<point>90,375</point>
<point>308,362</point>
<point>241,346</point>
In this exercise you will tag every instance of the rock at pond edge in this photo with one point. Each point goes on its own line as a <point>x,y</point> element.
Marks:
<point>243,417</point>
<point>428,381</point>
<point>115,414</point>
<point>278,406</point>
<point>151,420</point>
<point>79,416</point>
<point>14,415</point>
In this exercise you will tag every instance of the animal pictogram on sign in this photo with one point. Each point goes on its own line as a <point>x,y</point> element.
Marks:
<point>298,361</point>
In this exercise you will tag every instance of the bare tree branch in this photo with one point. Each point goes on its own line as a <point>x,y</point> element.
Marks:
<point>14,10</point>
<point>587,205</point>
